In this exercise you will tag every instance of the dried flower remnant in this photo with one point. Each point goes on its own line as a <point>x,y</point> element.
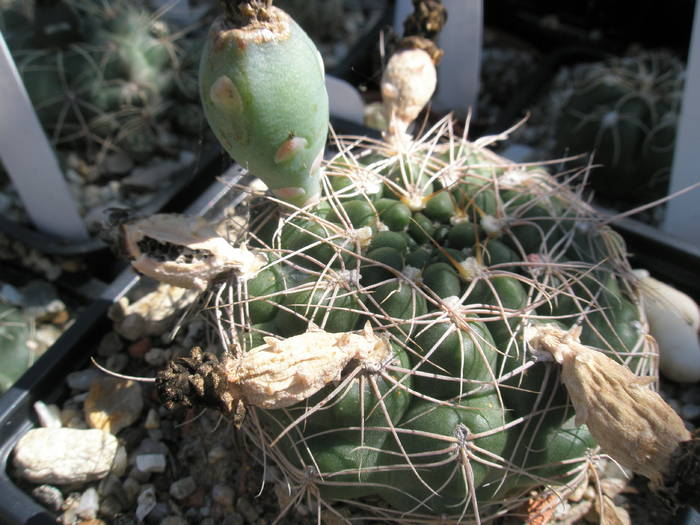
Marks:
<point>184,251</point>
<point>278,374</point>
<point>630,422</point>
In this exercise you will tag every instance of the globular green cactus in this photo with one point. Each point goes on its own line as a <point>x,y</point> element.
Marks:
<point>15,355</point>
<point>382,340</point>
<point>625,111</point>
<point>100,83</point>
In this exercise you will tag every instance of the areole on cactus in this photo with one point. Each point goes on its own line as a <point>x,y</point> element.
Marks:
<point>390,347</point>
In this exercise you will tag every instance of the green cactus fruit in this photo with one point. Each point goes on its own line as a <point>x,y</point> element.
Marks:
<point>263,92</point>
<point>625,111</point>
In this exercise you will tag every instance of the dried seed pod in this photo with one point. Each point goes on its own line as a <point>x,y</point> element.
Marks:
<point>408,83</point>
<point>184,251</point>
<point>278,374</point>
<point>630,422</point>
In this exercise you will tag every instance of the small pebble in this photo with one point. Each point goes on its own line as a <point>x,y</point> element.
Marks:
<point>152,420</point>
<point>249,512</point>
<point>155,434</point>
<point>121,462</point>
<point>151,463</point>
<point>145,502</point>
<point>89,504</point>
<point>157,357</point>
<point>49,416</point>
<point>110,344</point>
<point>149,446</point>
<point>216,454</point>
<point>196,499</point>
<point>139,349</point>
<point>174,520</point>
<point>118,163</point>
<point>159,512</point>
<point>233,519</point>
<point>132,488</point>
<point>117,362</point>
<point>49,496</point>
<point>113,404</point>
<point>182,488</point>
<point>111,486</point>
<point>82,379</point>
<point>690,412</point>
<point>111,506</point>
<point>75,456</point>
<point>224,495</point>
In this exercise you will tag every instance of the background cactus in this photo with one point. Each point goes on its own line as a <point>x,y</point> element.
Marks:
<point>107,80</point>
<point>449,254</point>
<point>625,111</point>
<point>15,354</point>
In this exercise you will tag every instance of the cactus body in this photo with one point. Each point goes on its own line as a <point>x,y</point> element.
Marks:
<point>625,111</point>
<point>105,83</point>
<point>279,134</point>
<point>461,420</point>
<point>15,355</point>
<point>450,255</point>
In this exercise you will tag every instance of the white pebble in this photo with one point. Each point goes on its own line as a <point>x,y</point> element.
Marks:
<point>82,379</point>
<point>150,462</point>
<point>674,319</point>
<point>62,456</point>
<point>89,504</point>
<point>152,420</point>
<point>49,416</point>
<point>157,357</point>
<point>146,502</point>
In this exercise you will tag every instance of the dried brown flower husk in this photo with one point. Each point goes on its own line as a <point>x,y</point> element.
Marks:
<point>630,422</point>
<point>278,374</point>
<point>184,251</point>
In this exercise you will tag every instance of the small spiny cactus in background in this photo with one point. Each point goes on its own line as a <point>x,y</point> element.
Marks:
<point>625,111</point>
<point>386,315</point>
<point>101,75</point>
<point>15,354</point>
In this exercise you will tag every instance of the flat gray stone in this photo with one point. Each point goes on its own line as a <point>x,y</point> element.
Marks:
<point>61,456</point>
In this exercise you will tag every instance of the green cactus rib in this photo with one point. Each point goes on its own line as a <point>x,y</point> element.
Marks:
<point>461,420</point>
<point>263,91</point>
